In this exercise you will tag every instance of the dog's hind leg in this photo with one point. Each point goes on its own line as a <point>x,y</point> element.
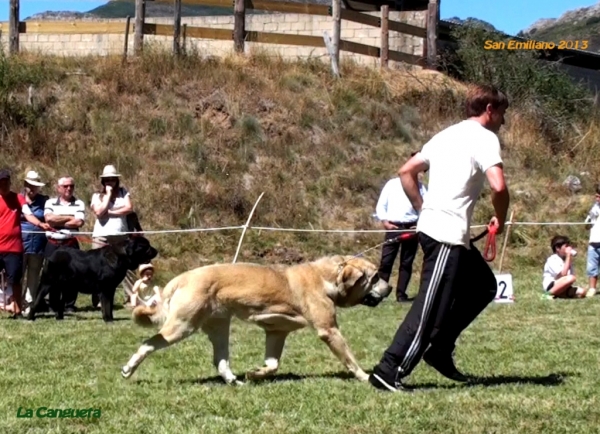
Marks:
<point>274,343</point>
<point>171,332</point>
<point>217,330</point>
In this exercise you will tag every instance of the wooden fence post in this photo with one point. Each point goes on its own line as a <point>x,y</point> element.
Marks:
<point>126,47</point>
<point>177,29</point>
<point>140,18</point>
<point>336,12</point>
<point>432,31</point>
<point>239,25</point>
<point>385,36</point>
<point>13,27</point>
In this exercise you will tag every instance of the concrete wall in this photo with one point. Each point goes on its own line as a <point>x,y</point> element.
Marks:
<point>77,45</point>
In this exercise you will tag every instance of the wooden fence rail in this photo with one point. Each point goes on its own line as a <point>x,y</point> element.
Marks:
<point>239,35</point>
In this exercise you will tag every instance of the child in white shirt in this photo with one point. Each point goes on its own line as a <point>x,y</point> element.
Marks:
<point>143,293</point>
<point>559,277</point>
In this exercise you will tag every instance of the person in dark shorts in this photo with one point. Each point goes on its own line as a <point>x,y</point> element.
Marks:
<point>12,207</point>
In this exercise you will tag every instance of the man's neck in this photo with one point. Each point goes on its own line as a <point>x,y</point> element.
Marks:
<point>63,200</point>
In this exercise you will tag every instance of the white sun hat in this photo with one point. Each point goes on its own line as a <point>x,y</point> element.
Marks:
<point>33,178</point>
<point>110,172</point>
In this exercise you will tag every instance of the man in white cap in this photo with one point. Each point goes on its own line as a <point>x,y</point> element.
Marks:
<point>34,239</point>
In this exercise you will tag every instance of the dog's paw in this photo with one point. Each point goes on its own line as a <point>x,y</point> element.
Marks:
<point>126,371</point>
<point>362,376</point>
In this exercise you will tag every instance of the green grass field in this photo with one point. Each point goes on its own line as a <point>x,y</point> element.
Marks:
<point>538,360</point>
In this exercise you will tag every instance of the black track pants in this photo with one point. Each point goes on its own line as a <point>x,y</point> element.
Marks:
<point>456,286</point>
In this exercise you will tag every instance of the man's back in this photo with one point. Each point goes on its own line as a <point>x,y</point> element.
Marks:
<point>458,158</point>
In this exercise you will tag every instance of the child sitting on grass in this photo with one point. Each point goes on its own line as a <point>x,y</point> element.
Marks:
<point>559,278</point>
<point>143,293</point>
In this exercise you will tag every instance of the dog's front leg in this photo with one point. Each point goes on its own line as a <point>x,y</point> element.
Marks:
<point>337,344</point>
<point>217,330</point>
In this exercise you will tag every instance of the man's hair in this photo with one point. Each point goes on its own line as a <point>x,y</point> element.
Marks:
<point>479,96</point>
<point>64,179</point>
<point>597,188</point>
<point>558,241</point>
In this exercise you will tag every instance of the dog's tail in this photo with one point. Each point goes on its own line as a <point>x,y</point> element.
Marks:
<point>147,316</point>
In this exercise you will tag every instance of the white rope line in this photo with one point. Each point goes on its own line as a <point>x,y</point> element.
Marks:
<point>275,229</point>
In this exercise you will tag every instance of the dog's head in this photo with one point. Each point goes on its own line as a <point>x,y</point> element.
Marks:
<point>139,251</point>
<point>356,279</point>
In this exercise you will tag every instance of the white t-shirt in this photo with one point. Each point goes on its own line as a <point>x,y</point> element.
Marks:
<point>458,158</point>
<point>593,218</point>
<point>393,204</point>
<point>113,225</point>
<point>554,265</point>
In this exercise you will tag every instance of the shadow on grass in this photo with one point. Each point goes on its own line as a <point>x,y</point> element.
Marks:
<point>217,380</point>
<point>555,379</point>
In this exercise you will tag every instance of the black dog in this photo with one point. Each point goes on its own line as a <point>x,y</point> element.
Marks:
<point>96,271</point>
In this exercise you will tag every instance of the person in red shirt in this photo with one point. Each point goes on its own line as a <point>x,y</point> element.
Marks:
<point>12,206</point>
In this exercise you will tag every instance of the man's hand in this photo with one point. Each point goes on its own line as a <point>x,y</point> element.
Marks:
<point>389,226</point>
<point>45,226</point>
<point>494,222</point>
<point>108,189</point>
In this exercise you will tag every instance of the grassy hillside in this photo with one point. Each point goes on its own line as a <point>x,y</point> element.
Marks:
<point>199,140</point>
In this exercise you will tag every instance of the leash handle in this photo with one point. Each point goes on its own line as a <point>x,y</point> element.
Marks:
<point>489,252</point>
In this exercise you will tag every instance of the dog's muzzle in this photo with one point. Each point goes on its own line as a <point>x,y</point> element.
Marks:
<point>380,290</point>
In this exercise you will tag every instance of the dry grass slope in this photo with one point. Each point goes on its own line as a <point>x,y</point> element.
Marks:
<point>198,140</point>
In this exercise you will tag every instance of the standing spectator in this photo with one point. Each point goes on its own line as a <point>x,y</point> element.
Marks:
<point>34,244</point>
<point>397,213</point>
<point>593,251</point>
<point>64,213</point>
<point>112,206</point>
<point>12,206</point>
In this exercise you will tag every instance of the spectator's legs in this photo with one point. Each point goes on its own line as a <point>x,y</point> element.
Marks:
<point>593,258</point>
<point>33,266</point>
<point>563,287</point>
<point>13,266</point>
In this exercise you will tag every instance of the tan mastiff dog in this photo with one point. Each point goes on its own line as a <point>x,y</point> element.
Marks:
<point>279,298</point>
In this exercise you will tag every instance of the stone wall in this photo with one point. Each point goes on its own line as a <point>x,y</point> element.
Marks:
<point>104,44</point>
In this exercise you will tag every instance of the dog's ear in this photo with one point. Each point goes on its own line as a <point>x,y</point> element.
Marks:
<point>349,276</point>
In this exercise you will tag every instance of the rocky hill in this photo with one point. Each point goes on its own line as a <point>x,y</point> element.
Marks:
<point>576,25</point>
<point>122,8</point>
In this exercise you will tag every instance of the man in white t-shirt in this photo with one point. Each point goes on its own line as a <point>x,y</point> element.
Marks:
<point>456,282</point>
<point>593,251</point>
<point>558,276</point>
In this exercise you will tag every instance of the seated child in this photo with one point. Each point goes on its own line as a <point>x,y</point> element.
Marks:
<point>559,277</point>
<point>143,293</point>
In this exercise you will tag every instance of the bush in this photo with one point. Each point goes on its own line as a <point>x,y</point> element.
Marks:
<point>538,87</point>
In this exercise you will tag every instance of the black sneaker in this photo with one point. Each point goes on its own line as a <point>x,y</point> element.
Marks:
<point>445,366</point>
<point>384,383</point>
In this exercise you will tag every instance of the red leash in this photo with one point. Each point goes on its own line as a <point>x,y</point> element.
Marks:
<point>489,251</point>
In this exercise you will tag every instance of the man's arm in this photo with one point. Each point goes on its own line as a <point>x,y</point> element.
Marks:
<point>124,210</point>
<point>500,195</point>
<point>408,174</point>
<point>56,220</point>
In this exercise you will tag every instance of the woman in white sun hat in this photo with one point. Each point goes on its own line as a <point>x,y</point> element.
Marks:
<point>111,206</point>
<point>33,243</point>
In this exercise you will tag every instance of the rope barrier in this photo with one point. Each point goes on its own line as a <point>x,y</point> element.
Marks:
<point>341,231</point>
